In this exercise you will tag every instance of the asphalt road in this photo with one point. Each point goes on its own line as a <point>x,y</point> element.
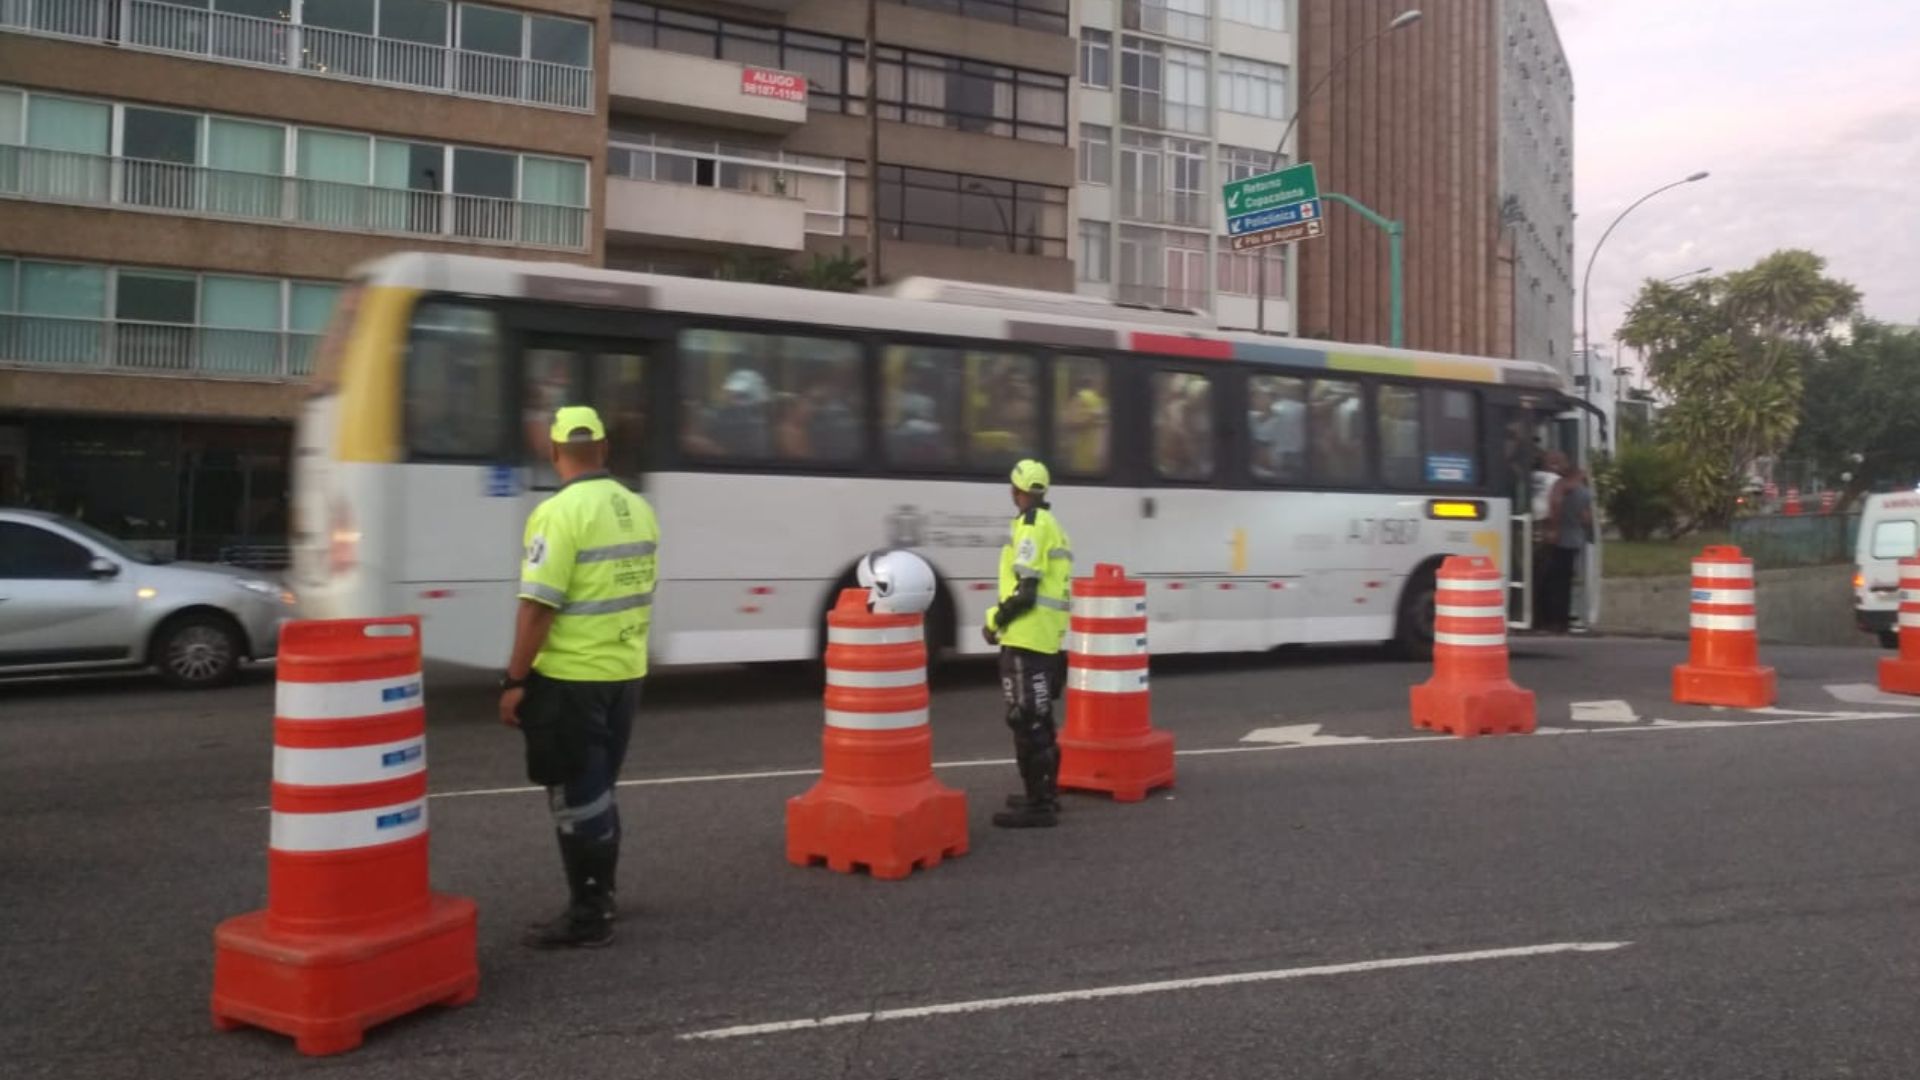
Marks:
<point>1641,890</point>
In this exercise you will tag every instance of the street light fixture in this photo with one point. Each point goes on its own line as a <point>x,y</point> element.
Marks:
<point>1586,294</point>
<point>1688,274</point>
<point>1404,19</point>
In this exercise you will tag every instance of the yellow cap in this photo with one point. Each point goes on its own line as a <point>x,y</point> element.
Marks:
<point>570,421</point>
<point>1030,475</point>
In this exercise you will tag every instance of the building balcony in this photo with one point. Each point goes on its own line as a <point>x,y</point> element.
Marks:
<point>62,343</point>
<point>156,26</point>
<point>58,176</point>
<point>699,90</point>
<point>705,195</point>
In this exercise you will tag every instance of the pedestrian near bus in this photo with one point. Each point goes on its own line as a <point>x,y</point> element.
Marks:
<point>573,681</point>
<point>1569,531</point>
<point>1029,625</point>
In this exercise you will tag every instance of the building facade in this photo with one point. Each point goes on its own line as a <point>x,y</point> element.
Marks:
<point>1176,98</point>
<point>184,189</point>
<point>1459,127</point>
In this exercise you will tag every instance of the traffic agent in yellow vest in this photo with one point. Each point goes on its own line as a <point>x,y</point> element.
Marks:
<point>1029,625</point>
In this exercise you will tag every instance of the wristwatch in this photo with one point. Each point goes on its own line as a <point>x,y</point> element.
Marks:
<point>508,682</point>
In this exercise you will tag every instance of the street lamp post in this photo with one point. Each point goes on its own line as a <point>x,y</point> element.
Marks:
<point>1586,298</point>
<point>1395,232</point>
<point>1688,274</point>
<point>1400,21</point>
<point>1006,223</point>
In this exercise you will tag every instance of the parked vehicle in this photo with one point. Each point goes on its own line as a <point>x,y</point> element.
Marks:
<point>1889,532</point>
<point>73,598</point>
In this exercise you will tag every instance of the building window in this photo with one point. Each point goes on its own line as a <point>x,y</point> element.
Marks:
<point>1252,88</point>
<point>159,320</point>
<point>1162,268</point>
<point>1096,58</point>
<point>914,87</point>
<point>1183,19</point>
<point>1162,86</point>
<point>1047,15</point>
<point>1191,202</point>
<point>1164,179</point>
<point>1096,252</point>
<point>929,206</point>
<point>1239,271</point>
<point>1096,154</point>
<point>1266,14</point>
<point>1241,163</point>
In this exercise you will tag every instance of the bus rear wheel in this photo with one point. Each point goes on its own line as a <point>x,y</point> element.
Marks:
<point>1413,626</point>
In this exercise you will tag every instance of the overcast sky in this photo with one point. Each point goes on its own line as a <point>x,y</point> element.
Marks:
<point>1807,114</point>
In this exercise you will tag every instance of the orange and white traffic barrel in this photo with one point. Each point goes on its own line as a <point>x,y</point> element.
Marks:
<point>877,805</point>
<point>1109,743</point>
<point>1901,674</point>
<point>352,935</point>
<point>1471,691</point>
<point>1723,665</point>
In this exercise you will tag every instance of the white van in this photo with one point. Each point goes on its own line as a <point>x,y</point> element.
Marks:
<point>1889,532</point>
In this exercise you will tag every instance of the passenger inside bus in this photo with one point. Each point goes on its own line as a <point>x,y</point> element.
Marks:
<point>1277,422</point>
<point>1084,418</point>
<point>1183,426</point>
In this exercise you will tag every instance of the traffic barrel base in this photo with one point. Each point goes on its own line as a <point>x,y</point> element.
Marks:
<point>1109,744</point>
<point>326,990</point>
<point>1471,692</point>
<point>1901,674</point>
<point>877,805</point>
<point>1723,666</point>
<point>352,935</point>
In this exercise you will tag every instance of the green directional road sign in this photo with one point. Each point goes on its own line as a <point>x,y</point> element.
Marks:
<point>1271,191</point>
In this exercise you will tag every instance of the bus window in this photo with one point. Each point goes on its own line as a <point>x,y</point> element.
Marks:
<point>620,393</point>
<point>758,397</point>
<point>1003,409</point>
<point>454,391</point>
<point>1397,409</point>
<point>1277,428</point>
<point>1453,436</point>
<point>922,407</point>
<point>1182,426</point>
<point>1082,416</point>
<point>1339,446</point>
<point>548,380</point>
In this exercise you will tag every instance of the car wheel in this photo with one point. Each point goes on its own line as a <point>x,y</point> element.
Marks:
<point>198,651</point>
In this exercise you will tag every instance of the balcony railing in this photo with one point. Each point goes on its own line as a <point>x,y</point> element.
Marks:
<point>312,50</point>
<point>60,176</point>
<point>154,348</point>
<point>820,183</point>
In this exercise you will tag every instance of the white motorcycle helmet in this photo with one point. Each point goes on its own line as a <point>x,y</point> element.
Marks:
<point>897,582</point>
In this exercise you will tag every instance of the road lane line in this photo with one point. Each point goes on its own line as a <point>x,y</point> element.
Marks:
<point>1100,993</point>
<point>1766,718</point>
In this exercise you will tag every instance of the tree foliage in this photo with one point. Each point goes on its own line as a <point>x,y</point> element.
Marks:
<point>1640,489</point>
<point>1730,354</point>
<point>1863,397</point>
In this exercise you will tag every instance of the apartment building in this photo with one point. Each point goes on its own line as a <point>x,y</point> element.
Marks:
<point>185,185</point>
<point>183,188</point>
<point>1176,98</point>
<point>1461,128</point>
<point>740,130</point>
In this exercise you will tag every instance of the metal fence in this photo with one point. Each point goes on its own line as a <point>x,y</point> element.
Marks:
<point>163,348</point>
<point>1776,540</point>
<point>339,54</point>
<point>96,180</point>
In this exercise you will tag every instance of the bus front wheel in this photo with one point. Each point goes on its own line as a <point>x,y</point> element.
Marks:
<point>1413,626</point>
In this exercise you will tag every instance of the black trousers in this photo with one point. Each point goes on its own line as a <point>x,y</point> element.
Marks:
<point>576,738</point>
<point>1031,683</point>
<point>1556,588</point>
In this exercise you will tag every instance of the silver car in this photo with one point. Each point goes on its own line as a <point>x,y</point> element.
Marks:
<point>75,599</point>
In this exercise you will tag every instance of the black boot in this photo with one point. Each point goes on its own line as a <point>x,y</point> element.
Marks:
<point>588,920</point>
<point>1039,808</point>
<point>1021,802</point>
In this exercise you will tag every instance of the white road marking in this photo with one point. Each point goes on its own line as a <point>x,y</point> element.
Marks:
<point>1770,717</point>
<point>1604,712</point>
<point>1100,993</point>
<point>1301,735</point>
<point>1867,694</point>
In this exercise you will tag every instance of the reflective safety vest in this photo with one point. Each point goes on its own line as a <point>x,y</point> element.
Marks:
<point>591,554</point>
<point>1037,548</point>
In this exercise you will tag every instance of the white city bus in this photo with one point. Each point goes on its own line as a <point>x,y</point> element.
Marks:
<point>1269,490</point>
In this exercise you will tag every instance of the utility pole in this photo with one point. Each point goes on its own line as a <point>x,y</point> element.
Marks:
<point>873,143</point>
